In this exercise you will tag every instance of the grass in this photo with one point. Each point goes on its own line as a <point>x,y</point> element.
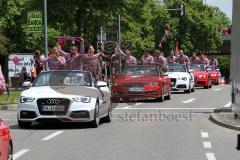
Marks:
<point>13,98</point>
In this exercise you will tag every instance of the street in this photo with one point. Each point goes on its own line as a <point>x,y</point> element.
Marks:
<point>176,130</point>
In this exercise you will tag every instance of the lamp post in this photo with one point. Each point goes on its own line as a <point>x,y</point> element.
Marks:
<point>45,28</point>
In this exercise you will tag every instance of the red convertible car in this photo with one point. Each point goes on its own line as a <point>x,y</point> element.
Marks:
<point>6,146</point>
<point>201,76</point>
<point>141,82</point>
<point>215,74</point>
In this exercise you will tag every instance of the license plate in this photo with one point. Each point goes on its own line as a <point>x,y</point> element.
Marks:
<point>53,108</point>
<point>135,89</point>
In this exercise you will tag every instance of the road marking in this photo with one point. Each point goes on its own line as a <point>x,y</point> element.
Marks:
<point>210,156</point>
<point>131,106</point>
<point>189,100</point>
<point>4,113</point>
<point>204,134</point>
<point>52,135</point>
<point>217,89</point>
<point>164,108</point>
<point>228,104</point>
<point>207,144</point>
<point>20,153</point>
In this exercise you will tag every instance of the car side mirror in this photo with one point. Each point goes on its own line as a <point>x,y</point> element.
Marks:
<point>101,84</point>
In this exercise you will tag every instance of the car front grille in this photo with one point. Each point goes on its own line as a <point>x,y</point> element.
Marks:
<point>139,86</point>
<point>55,102</point>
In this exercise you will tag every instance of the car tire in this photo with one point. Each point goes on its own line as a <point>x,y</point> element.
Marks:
<point>95,122</point>
<point>22,124</point>
<point>10,151</point>
<point>161,98</point>
<point>108,118</point>
<point>193,89</point>
<point>189,90</point>
<point>168,97</point>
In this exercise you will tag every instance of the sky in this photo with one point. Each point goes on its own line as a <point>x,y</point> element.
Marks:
<point>224,5</point>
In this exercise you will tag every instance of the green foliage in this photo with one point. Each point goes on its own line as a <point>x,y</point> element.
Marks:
<point>142,23</point>
<point>224,66</point>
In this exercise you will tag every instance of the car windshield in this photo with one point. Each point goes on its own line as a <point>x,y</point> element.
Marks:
<point>176,68</point>
<point>63,78</point>
<point>211,68</point>
<point>141,71</point>
<point>197,67</point>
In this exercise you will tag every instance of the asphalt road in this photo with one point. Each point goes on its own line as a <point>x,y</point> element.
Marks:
<point>178,129</point>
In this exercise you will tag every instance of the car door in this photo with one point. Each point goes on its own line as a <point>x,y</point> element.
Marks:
<point>104,99</point>
<point>4,140</point>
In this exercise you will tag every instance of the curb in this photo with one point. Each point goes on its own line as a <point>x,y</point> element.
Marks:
<point>220,121</point>
<point>9,107</point>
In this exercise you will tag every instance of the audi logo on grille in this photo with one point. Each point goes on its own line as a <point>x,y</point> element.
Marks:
<point>52,101</point>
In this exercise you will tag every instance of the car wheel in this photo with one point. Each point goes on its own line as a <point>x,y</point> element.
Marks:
<point>95,122</point>
<point>22,124</point>
<point>189,89</point>
<point>193,89</point>
<point>10,151</point>
<point>161,99</point>
<point>168,97</point>
<point>108,118</point>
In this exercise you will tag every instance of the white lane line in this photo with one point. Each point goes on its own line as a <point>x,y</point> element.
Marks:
<point>189,100</point>
<point>52,135</point>
<point>217,89</point>
<point>204,134</point>
<point>131,106</point>
<point>164,108</point>
<point>228,104</point>
<point>207,144</point>
<point>210,156</point>
<point>4,113</point>
<point>20,153</point>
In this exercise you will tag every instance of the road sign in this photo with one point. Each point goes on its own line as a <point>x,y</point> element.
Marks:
<point>34,22</point>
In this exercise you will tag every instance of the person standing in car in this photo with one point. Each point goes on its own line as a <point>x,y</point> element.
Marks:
<point>147,58</point>
<point>2,82</point>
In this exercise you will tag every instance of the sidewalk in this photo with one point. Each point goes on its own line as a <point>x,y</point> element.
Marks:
<point>10,107</point>
<point>225,118</point>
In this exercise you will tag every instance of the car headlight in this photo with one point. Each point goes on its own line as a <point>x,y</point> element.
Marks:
<point>202,76</point>
<point>26,99</point>
<point>153,83</point>
<point>213,75</point>
<point>182,78</point>
<point>82,99</point>
<point>117,84</point>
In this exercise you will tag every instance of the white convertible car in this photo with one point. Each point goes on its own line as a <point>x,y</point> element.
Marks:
<point>181,78</point>
<point>69,96</point>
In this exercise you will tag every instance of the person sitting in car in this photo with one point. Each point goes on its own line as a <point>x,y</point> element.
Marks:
<point>194,59</point>
<point>147,58</point>
<point>182,59</point>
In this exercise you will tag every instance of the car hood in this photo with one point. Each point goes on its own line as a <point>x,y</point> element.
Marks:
<point>135,79</point>
<point>59,91</point>
<point>196,73</point>
<point>177,74</point>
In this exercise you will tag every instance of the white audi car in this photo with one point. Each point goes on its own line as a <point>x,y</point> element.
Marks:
<point>69,96</point>
<point>181,78</point>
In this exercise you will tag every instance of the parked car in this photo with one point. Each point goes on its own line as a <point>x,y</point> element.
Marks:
<point>141,82</point>
<point>201,76</point>
<point>6,145</point>
<point>71,96</point>
<point>181,78</point>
